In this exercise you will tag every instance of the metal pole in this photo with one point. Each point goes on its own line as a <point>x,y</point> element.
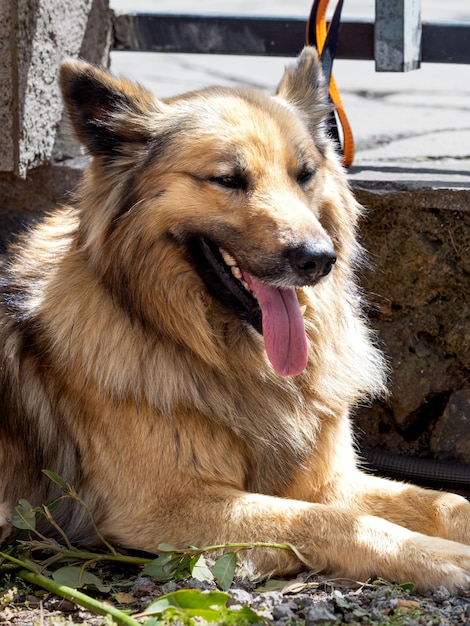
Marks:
<point>397,35</point>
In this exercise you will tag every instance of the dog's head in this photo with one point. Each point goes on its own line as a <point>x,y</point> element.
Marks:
<point>243,187</point>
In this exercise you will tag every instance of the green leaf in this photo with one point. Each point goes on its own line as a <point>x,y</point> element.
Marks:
<point>24,516</point>
<point>224,569</point>
<point>244,615</point>
<point>76,577</point>
<point>190,600</point>
<point>185,604</point>
<point>54,504</point>
<point>58,480</point>
<point>340,601</point>
<point>183,569</point>
<point>199,568</point>
<point>272,584</point>
<point>169,567</point>
<point>153,621</point>
<point>407,587</point>
<point>163,568</point>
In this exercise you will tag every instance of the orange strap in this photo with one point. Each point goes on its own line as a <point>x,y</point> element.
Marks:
<point>318,38</point>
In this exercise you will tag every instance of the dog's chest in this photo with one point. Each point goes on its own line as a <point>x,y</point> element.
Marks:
<point>279,441</point>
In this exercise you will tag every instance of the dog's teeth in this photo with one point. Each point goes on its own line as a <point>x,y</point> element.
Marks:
<point>227,257</point>
<point>303,308</point>
<point>236,271</point>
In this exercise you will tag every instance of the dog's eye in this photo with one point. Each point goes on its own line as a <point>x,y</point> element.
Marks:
<point>237,181</point>
<point>305,176</point>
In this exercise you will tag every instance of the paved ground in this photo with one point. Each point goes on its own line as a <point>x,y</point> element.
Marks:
<point>412,127</point>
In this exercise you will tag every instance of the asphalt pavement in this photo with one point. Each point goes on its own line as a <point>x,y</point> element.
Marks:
<point>411,127</point>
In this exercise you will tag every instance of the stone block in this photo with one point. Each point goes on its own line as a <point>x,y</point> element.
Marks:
<point>451,437</point>
<point>418,242</point>
<point>7,148</point>
<point>40,34</point>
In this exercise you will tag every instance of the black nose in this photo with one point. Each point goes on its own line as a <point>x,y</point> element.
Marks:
<point>313,259</point>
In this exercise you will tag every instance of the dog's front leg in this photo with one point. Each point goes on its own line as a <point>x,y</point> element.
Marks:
<point>430,512</point>
<point>335,540</point>
<point>333,477</point>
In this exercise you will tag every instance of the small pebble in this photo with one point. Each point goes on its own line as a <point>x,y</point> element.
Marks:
<point>441,594</point>
<point>302,600</point>
<point>267,600</point>
<point>143,586</point>
<point>283,612</point>
<point>202,585</point>
<point>240,596</point>
<point>317,613</point>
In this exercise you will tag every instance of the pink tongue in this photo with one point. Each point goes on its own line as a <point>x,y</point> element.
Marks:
<point>283,327</point>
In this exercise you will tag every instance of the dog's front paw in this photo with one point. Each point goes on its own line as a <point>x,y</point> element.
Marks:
<point>433,562</point>
<point>399,555</point>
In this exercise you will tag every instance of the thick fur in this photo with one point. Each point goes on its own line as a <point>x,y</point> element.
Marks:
<point>126,375</point>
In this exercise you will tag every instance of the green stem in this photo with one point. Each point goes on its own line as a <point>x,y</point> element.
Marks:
<point>78,597</point>
<point>65,553</point>
<point>138,560</point>
<point>16,561</point>
<point>135,560</point>
<point>76,497</point>
<point>246,546</point>
<point>94,557</point>
<point>54,524</point>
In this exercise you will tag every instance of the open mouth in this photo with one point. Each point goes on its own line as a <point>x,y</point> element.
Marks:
<point>224,280</point>
<point>274,312</point>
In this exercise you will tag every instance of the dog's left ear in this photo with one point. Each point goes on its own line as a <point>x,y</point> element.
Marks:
<point>107,113</point>
<point>303,86</point>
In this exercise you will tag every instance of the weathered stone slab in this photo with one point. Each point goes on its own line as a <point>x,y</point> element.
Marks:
<point>36,36</point>
<point>451,437</point>
<point>419,248</point>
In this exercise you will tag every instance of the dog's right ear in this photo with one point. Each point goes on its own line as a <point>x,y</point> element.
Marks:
<point>106,112</point>
<point>303,86</point>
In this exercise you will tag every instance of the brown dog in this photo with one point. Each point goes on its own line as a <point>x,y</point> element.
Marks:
<point>154,352</point>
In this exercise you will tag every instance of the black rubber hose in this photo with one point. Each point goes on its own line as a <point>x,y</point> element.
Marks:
<point>448,475</point>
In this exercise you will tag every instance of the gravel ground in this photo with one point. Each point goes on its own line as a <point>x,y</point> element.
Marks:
<point>310,601</point>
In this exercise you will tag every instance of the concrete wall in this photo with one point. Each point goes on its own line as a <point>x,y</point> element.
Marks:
<point>35,35</point>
